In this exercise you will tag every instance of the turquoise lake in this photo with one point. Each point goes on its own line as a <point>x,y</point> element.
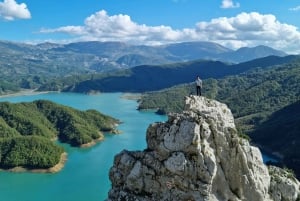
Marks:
<point>85,175</point>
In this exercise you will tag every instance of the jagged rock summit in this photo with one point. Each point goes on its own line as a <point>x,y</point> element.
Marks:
<point>198,155</point>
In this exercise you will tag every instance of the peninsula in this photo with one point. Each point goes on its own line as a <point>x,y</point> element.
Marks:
<point>28,132</point>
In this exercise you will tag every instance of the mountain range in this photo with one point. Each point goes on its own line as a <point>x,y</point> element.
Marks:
<point>30,66</point>
<point>106,56</point>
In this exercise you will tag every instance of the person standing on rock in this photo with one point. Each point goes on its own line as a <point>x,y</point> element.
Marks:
<point>198,86</point>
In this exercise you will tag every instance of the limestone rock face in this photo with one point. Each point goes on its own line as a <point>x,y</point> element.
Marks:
<point>283,185</point>
<point>197,155</point>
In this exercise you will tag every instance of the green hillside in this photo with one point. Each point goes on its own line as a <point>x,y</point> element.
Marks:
<point>27,131</point>
<point>151,78</point>
<point>281,132</point>
<point>262,90</point>
<point>253,97</point>
<point>30,152</point>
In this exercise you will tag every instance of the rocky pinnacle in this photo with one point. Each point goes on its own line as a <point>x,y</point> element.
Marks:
<point>198,156</point>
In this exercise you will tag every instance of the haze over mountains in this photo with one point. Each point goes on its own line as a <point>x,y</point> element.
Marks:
<point>106,56</point>
<point>30,66</point>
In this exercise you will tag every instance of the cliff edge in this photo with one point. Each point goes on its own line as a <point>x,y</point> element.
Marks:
<point>198,155</point>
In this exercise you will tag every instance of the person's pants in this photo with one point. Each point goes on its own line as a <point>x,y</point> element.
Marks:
<point>198,90</point>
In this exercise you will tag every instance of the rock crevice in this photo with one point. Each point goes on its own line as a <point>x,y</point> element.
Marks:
<point>197,155</point>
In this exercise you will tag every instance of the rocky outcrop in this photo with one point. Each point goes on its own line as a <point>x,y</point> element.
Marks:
<point>283,186</point>
<point>198,155</point>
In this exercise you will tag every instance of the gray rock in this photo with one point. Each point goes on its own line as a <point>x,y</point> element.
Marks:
<point>197,155</point>
<point>284,186</point>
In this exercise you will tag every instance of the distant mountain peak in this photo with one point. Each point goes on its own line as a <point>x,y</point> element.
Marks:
<point>197,49</point>
<point>260,47</point>
<point>250,53</point>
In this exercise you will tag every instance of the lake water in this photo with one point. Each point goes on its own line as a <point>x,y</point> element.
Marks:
<point>85,175</point>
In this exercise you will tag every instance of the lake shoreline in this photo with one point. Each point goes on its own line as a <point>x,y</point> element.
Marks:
<point>271,155</point>
<point>28,92</point>
<point>92,143</point>
<point>58,167</point>
<point>131,96</point>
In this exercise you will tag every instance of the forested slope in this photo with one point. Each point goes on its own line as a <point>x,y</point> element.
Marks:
<point>255,92</point>
<point>156,77</point>
<point>281,132</point>
<point>28,131</point>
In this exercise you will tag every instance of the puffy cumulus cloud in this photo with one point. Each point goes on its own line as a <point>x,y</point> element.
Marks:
<point>245,29</point>
<point>229,4</point>
<point>252,29</point>
<point>101,26</point>
<point>11,10</point>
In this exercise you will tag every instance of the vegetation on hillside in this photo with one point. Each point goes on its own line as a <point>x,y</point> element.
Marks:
<point>156,77</point>
<point>27,131</point>
<point>29,152</point>
<point>281,132</point>
<point>251,95</point>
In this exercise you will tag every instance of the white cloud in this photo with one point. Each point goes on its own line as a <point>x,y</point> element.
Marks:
<point>229,4</point>
<point>76,30</point>
<point>100,26</point>
<point>252,29</point>
<point>295,8</point>
<point>11,10</point>
<point>245,29</point>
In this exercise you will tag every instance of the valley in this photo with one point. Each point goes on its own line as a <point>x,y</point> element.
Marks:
<point>258,90</point>
<point>99,100</point>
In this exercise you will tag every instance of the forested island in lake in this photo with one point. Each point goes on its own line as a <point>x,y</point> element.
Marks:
<point>29,130</point>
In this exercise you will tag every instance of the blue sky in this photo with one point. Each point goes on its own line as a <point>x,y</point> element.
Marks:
<point>232,23</point>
